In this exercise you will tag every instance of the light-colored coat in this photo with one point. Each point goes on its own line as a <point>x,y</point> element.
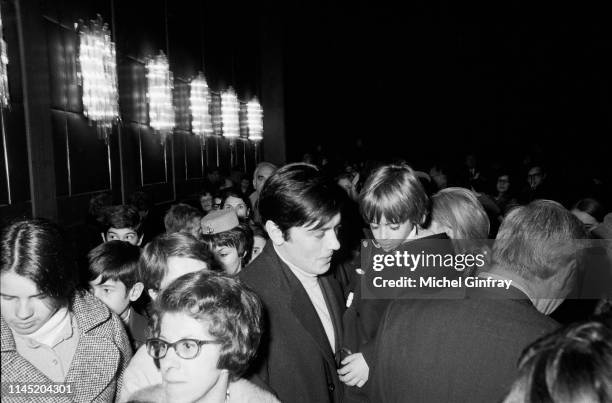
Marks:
<point>101,356</point>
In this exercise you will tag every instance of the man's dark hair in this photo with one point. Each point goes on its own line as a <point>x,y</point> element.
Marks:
<point>39,250</point>
<point>114,260</point>
<point>299,195</point>
<point>122,216</point>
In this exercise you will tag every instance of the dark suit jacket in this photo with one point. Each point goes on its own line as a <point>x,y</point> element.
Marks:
<point>453,350</point>
<point>362,318</point>
<point>295,357</point>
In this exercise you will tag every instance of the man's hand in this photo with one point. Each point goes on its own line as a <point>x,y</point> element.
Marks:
<point>355,370</point>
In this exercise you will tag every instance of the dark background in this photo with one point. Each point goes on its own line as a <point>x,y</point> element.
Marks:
<point>437,79</point>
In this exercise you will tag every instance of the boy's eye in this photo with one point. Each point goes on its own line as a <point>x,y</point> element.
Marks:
<point>394,227</point>
<point>8,297</point>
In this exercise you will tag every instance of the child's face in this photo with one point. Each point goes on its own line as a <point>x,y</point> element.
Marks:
<point>229,259</point>
<point>390,235</point>
<point>113,293</point>
<point>123,234</point>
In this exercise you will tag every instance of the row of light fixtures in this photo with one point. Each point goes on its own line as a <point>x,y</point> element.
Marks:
<point>98,79</point>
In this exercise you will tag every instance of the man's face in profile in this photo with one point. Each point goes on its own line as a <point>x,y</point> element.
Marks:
<point>311,249</point>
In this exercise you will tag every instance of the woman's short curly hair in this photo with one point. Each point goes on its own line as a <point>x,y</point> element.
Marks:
<point>230,309</point>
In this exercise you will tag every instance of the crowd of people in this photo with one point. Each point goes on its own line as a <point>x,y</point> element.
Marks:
<point>258,291</point>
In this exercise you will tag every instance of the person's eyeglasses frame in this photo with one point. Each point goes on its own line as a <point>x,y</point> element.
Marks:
<point>199,343</point>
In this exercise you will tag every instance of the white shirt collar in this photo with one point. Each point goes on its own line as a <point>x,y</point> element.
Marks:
<point>54,330</point>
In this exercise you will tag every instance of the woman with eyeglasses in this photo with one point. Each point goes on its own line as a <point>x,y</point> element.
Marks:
<point>206,331</point>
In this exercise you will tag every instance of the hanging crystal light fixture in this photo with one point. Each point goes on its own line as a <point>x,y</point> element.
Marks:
<point>4,89</point>
<point>98,75</point>
<point>229,115</point>
<point>159,95</point>
<point>255,120</point>
<point>200,100</point>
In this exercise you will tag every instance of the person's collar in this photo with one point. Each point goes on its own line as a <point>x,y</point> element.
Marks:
<point>302,275</point>
<point>125,316</point>
<point>517,282</point>
<point>54,331</point>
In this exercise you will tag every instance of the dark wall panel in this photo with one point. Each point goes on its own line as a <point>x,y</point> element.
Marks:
<point>16,154</point>
<point>57,65</point>
<point>181,104</point>
<point>178,146</point>
<point>153,156</point>
<point>130,133</point>
<point>73,91</point>
<point>131,76</point>
<point>193,152</point>
<point>60,149</point>
<point>89,168</point>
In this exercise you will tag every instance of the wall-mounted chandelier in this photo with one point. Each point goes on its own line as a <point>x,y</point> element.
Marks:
<point>200,100</point>
<point>4,89</point>
<point>98,75</point>
<point>255,120</point>
<point>229,115</point>
<point>159,95</point>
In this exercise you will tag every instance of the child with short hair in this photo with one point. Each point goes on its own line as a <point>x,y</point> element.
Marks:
<point>114,279</point>
<point>122,223</point>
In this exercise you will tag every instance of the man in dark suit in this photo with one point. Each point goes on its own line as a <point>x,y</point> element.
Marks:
<point>467,350</point>
<point>303,304</point>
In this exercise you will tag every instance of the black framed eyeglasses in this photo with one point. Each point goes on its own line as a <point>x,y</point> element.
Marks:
<point>184,348</point>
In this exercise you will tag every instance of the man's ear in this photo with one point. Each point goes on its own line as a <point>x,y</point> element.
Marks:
<point>140,240</point>
<point>275,233</point>
<point>152,293</point>
<point>136,291</point>
<point>103,235</point>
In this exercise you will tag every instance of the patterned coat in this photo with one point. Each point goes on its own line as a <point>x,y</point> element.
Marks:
<point>101,356</point>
